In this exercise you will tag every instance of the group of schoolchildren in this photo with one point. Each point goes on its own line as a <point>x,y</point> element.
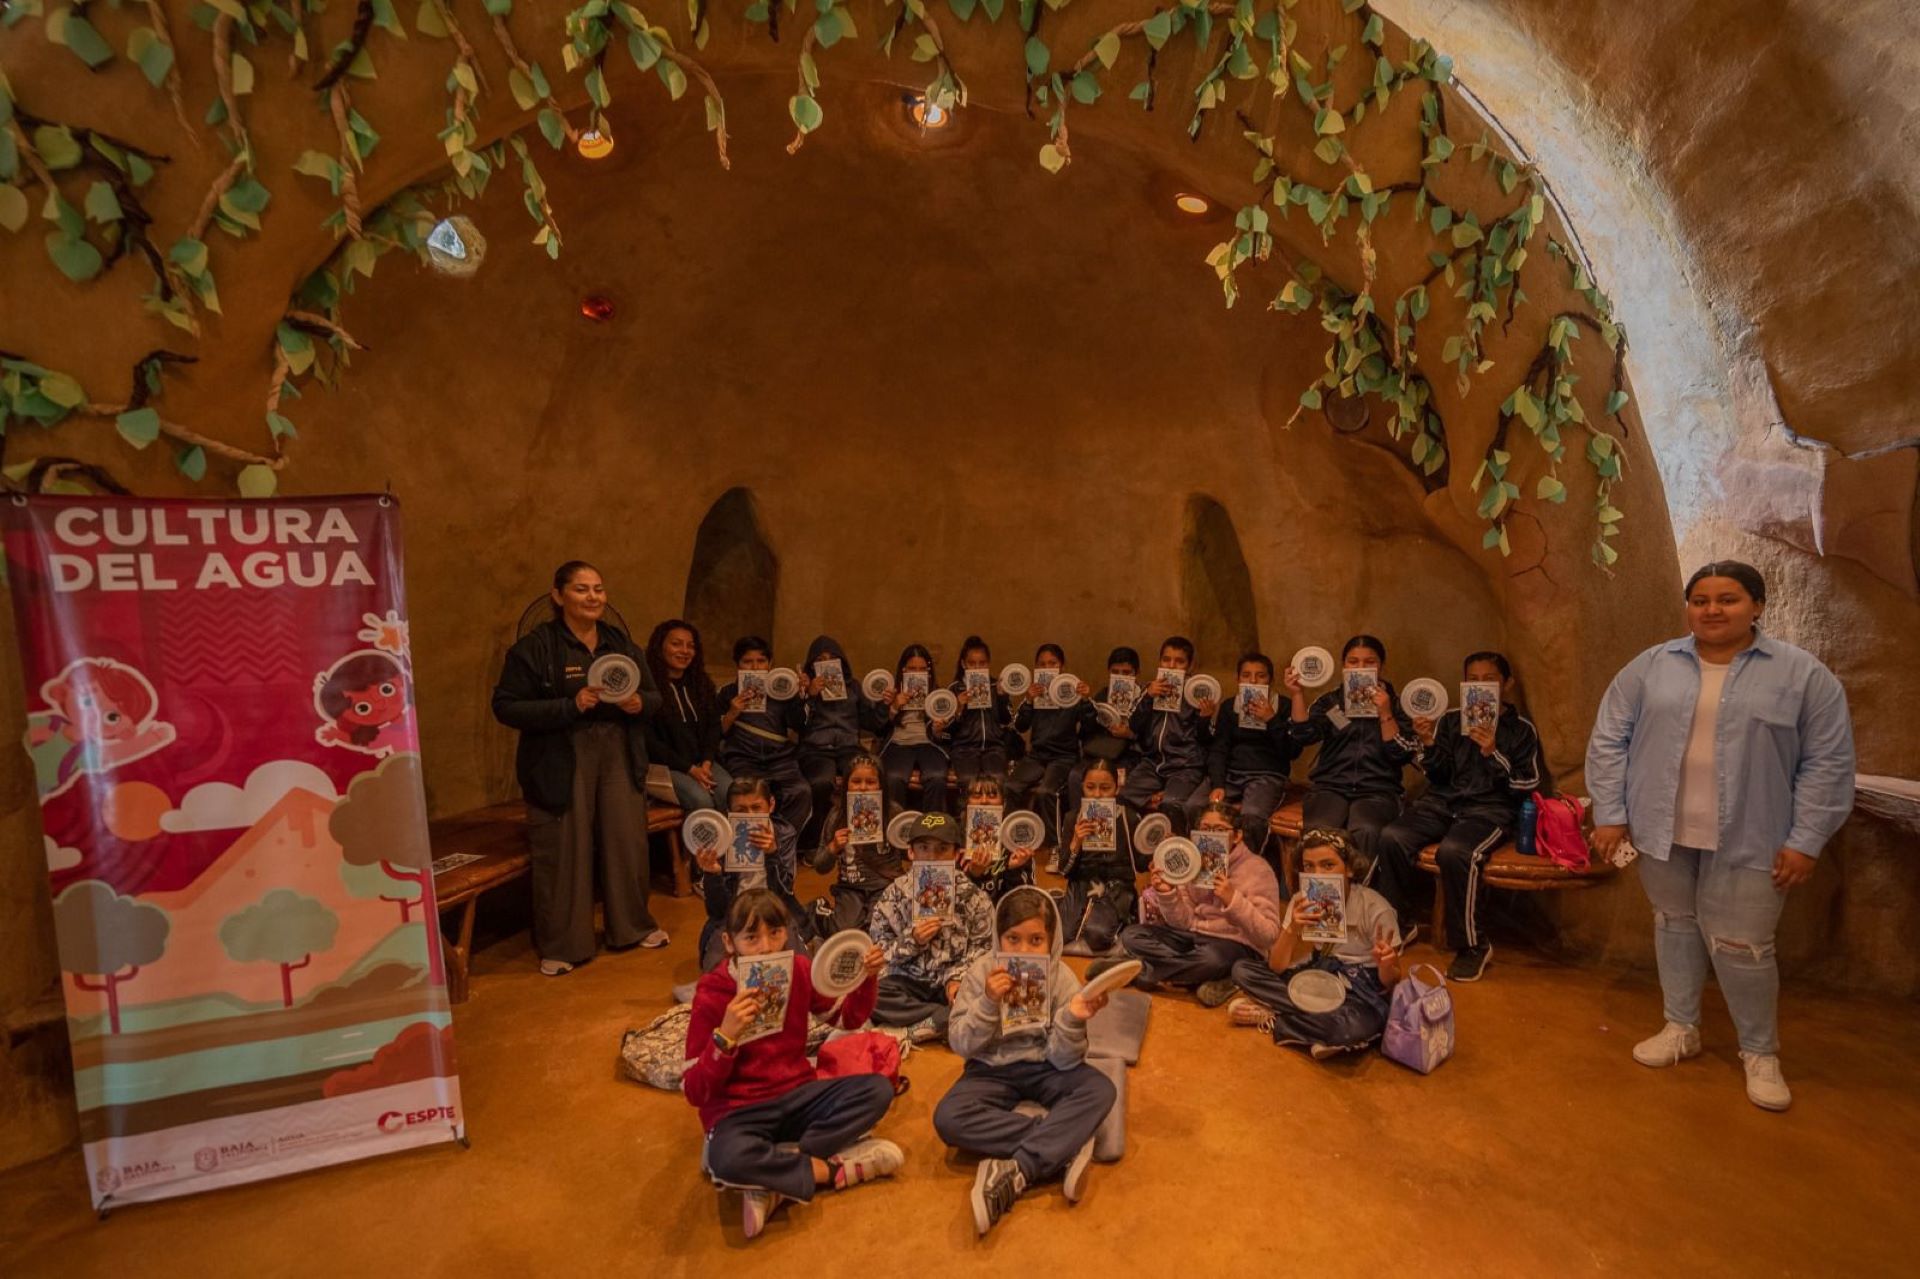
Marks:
<point>1215,770</point>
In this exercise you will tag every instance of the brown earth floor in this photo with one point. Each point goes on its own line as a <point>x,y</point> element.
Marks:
<point>1540,1149</point>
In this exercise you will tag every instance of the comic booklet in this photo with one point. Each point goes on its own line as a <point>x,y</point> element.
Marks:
<point>1250,696</point>
<point>772,976</point>
<point>1479,705</point>
<point>916,684</point>
<point>979,689</point>
<point>833,679</point>
<point>1176,682</point>
<point>865,821</point>
<point>933,889</point>
<point>1105,816</point>
<point>1329,892</point>
<point>1042,681</point>
<point>1214,846</point>
<point>1123,693</point>
<point>753,684</point>
<point>1356,692</point>
<point>983,831</point>
<point>1025,1007</point>
<point>743,857</point>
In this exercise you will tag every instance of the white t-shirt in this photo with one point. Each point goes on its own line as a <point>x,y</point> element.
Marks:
<point>1696,806</point>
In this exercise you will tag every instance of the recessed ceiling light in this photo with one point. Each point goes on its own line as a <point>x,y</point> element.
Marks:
<point>597,307</point>
<point>1187,202</point>
<point>595,145</point>
<point>928,115</point>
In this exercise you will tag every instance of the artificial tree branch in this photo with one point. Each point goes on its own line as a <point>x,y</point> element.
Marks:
<point>807,43</point>
<point>339,103</point>
<point>712,90</point>
<point>356,41</point>
<point>461,43</point>
<point>504,38</point>
<point>157,13</point>
<point>1125,31</point>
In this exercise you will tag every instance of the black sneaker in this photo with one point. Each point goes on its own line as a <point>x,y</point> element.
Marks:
<point>995,1187</point>
<point>1215,993</point>
<point>1469,964</point>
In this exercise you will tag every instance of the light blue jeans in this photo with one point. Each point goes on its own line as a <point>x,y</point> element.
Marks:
<point>693,795</point>
<point>1705,910</point>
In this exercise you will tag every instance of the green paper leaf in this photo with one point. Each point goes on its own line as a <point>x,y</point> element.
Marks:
<point>553,128</point>
<point>1038,56</point>
<point>190,255</point>
<point>62,390</point>
<point>1107,49</point>
<point>522,89</point>
<point>1052,159</point>
<point>192,462</point>
<point>138,427</point>
<point>1550,489</point>
<point>78,260</point>
<point>1616,402</point>
<point>257,481</point>
<point>81,37</point>
<point>1158,28</point>
<point>13,208</point>
<point>805,111</point>
<point>154,55</point>
<point>242,74</point>
<point>427,21</point>
<point>55,146</point>
<point>102,205</point>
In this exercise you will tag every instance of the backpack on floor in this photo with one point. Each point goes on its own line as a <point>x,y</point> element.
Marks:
<point>1419,1032</point>
<point>1556,832</point>
<point>864,1052</point>
<point>657,1054</point>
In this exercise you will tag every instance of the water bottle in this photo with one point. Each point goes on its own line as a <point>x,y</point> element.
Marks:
<point>1523,838</point>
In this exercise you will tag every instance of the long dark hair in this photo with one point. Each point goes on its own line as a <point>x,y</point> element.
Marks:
<point>696,681</point>
<point>563,578</point>
<point>907,654</point>
<point>967,645</point>
<point>1746,574</point>
<point>755,906</point>
<point>1370,642</point>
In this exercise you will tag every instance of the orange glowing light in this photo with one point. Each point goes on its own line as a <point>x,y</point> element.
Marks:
<point>595,145</point>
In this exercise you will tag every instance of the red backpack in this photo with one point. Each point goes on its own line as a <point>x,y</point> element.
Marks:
<point>1557,833</point>
<point>865,1052</point>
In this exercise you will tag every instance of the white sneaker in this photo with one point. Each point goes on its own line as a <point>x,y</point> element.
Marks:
<point>1766,1086</point>
<point>755,1207</point>
<point>555,968</point>
<point>1251,1013</point>
<point>865,1161</point>
<point>1674,1044</point>
<point>1074,1183</point>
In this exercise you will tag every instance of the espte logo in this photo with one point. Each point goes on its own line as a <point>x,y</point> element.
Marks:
<point>395,1120</point>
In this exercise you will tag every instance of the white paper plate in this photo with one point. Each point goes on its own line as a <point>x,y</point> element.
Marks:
<point>878,684</point>
<point>1201,688</point>
<point>1315,990</point>
<point>1424,699</point>
<point>616,675</point>
<point>1314,665</point>
<point>1015,680</point>
<point>1109,717</point>
<point>1177,860</point>
<point>706,828</point>
<point>942,704</point>
<point>840,965</point>
<point>1149,831</point>
<point>1065,690</point>
<point>1112,979</point>
<point>782,683</point>
<point>1021,829</point>
<point>902,823</point>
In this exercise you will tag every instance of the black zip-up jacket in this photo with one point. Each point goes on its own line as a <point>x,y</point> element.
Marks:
<point>743,750</point>
<point>1056,730</point>
<point>1097,743</point>
<point>682,735</point>
<point>1353,760</point>
<point>1248,752</point>
<point>1120,863</point>
<point>1467,781</point>
<point>545,669</point>
<point>980,728</point>
<point>1177,739</point>
<point>835,726</point>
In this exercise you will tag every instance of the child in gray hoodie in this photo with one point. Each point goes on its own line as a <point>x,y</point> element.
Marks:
<point>1021,1022</point>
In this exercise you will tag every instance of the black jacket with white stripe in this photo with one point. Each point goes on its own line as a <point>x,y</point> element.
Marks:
<point>1467,781</point>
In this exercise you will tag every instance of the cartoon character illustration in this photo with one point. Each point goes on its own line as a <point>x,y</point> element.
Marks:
<point>100,716</point>
<point>365,702</point>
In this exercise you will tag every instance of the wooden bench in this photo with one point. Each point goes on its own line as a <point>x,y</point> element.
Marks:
<point>1515,871</point>
<point>491,848</point>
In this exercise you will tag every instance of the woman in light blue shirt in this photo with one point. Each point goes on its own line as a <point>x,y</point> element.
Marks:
<point>1727,757</point>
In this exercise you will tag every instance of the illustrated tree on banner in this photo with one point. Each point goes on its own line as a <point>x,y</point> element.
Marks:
<point>284,928</point>
<point>382,821</point>
<point>101,933</point>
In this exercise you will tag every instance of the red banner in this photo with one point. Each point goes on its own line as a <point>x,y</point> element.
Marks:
<point>220,716</point>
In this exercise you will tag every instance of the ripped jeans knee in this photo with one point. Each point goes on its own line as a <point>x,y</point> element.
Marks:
<point>1754,952</point>
<point>1676,919</point>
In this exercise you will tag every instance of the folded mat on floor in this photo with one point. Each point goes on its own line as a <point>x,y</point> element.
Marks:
<point>1119,1029</point>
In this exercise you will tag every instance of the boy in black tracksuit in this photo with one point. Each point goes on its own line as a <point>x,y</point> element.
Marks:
<point>1052,751</point>
<point>1173,748</point>
<point>830,728</point>
<point>1476,783</point>
<point>1248,766</point>
<point>760,743</point>
<point>1117,746</point>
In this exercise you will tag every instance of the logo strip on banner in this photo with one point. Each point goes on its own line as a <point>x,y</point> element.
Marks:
<point>222,733</point>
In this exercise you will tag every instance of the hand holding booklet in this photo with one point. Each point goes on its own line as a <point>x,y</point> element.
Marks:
<point>772,977</point>
<point>1025,1007</point>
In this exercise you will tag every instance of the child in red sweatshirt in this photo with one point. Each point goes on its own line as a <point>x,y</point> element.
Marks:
<point>774,1130</point>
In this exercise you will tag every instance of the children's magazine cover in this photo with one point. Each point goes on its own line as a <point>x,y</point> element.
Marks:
<point>932,889</point>
<point>833,679</point>
<point>772,976</point>
<point>979,689</point>
<point>753,686</point>
<point>1479,705</point>
<point>915,685</point>
<point>1104,814</point>
<point>1213,846</point>
<point>1123,693</point>
<point>743,857</point>
<point>1176,682</point>
<point>1356,691</point>
<point>864,820</point>
<point>1250,696</point>
<point>1025,1007</point>
<point>1042,681</point>
<point>983,830</point>
<point>1329,892</point>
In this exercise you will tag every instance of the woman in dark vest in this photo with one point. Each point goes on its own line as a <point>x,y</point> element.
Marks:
<point>582,764</point>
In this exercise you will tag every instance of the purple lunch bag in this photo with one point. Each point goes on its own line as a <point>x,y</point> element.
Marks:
<point>1419,1032</point>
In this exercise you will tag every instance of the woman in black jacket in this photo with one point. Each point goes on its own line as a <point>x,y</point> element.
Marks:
<point>582,764</point>
<point>684,736</point>
<point>1358,778</point>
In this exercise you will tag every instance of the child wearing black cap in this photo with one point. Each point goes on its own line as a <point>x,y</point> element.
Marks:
<point>931,926</point>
